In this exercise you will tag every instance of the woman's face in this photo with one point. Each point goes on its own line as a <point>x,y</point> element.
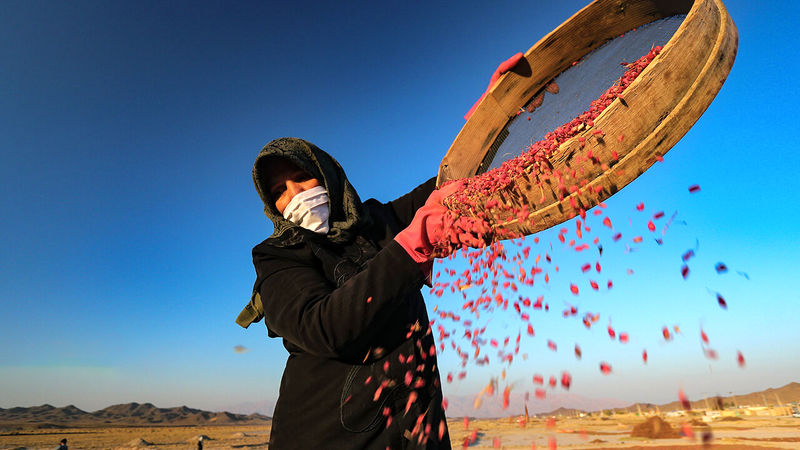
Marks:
<point>285,180</point>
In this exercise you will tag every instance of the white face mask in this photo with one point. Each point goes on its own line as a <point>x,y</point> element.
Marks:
<point>309,209</point>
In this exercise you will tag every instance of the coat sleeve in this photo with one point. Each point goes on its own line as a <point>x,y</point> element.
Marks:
<point>304,308</point>
<point>406,206</point>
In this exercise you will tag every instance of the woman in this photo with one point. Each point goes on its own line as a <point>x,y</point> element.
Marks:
<point>339,280</point>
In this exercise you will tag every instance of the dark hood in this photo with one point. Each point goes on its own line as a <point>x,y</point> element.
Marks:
<point>347,214</point>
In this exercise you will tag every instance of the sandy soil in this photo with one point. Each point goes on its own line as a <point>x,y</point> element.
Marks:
<point>594,433</point>
<point>608,433</point>
<point>161,438</point>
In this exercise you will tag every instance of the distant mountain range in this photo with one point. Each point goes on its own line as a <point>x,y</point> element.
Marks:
<point>129,414</point>
<point>567,404</point>
<point>783,395</point>
<point>146,414</point>
<point>492,406</point>
<point>768,397</point>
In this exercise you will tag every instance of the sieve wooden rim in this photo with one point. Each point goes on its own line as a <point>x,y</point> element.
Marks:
<point>661,105</point>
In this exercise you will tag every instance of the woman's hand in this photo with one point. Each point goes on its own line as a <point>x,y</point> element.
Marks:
<point>428,234</point>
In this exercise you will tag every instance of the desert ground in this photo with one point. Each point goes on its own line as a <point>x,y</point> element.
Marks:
<point>748,432</point>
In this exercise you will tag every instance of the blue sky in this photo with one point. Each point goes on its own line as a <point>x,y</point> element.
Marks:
<point>128,132</point>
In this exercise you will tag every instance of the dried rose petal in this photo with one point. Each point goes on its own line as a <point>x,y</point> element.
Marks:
<point>684,400</point>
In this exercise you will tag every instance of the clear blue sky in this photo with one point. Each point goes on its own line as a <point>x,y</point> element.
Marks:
<point>128,131</point>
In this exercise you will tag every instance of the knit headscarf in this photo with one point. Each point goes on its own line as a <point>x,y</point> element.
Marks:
<point>347,214</point>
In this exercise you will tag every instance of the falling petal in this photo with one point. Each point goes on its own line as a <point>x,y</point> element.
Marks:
<point>687,431</point>
<point>684,400</point>
<point>566,380</point>
<point>743,274</point>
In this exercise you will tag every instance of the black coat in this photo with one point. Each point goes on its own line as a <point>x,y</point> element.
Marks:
<point>354,323</point>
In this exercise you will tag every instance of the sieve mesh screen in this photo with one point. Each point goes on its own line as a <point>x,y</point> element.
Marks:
<point>578,86</point>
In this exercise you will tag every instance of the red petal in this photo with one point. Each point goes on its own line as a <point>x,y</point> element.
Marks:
<point>566,380</point>
<point>684,400</point>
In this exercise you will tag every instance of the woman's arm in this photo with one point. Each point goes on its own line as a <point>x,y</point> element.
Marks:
<point>406,206</point>
<point>303,307</point>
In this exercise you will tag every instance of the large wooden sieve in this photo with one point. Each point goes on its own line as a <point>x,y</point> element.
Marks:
<point>658,109</point>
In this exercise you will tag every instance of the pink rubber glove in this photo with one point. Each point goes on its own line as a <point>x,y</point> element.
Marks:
<point>427,229</point>
<point>504,67</point>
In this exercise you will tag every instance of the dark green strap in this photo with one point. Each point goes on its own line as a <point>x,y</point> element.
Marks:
<point>253,312</point>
